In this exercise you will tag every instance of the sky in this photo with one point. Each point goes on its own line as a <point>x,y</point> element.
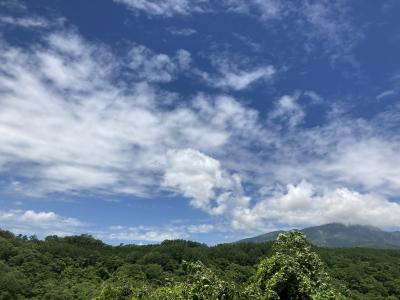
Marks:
<point>137,121</point>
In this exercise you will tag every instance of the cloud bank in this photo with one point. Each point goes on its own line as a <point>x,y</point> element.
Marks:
<point>44,223</point>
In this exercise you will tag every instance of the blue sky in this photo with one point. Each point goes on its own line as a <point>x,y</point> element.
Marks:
<point>143,120</point>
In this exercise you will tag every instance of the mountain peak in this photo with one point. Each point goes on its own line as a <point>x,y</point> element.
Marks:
<point>337,235</point>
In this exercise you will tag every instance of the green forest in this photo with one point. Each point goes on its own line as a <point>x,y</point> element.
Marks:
<point>82,267</point>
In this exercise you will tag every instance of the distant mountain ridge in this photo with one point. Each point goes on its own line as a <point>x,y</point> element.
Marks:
<point>336,235</point>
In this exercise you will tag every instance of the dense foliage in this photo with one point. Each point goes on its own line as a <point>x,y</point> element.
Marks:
<point>294,271</point>
<point>81,267</point>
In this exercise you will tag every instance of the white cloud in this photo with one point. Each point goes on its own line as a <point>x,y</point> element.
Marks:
<point>202,179</point>
<point>182,31</point>
<point>322,22</point>
<point>288,110</point>
<point>147,65</point>
<point>153,233</point>
<point>265,9</point>
<point>345,152</point>
<point>44,223</point>
<point>13,4</point>
<point>202,228</point>
<point>369,163</point>
<point>330,22</point>
<point>303,205</point>
<point>198,176</point>
<point>143,233</point>
<point>167,8</point>
<point>318,22</point>
<point>73,128</point>
<point>26,22</point>
<point>314,97</point>
<point>231,77</point>
<point>195,174</point>
<point>385,94</point>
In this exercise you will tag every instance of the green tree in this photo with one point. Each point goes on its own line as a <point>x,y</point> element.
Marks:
<point>201,284</point>
<point>293,272</point>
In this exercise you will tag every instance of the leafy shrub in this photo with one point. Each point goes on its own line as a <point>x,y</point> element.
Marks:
<point>293,272</point>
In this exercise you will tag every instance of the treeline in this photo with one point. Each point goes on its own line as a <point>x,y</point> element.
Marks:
<point>81,267</point>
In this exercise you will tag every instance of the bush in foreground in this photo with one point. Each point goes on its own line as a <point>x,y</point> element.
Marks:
<point>293,272</point>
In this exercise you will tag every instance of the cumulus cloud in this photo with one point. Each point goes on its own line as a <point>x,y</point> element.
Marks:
<point>43,223</point>
<point>302,205</point>
<point>195,174</point>
<point>200,178</point>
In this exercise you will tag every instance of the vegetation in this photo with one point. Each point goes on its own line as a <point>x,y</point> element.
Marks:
<point>293,272</point>
<point>81,267</point>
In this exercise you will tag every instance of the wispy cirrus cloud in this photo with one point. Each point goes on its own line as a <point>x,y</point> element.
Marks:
<point>265,10</point>
<point>182,31</point>
<point>26,22</point>
<point>235,79</point>
<point>230,75</point>
<point>314,24</point>
<point>152,67</point>
<point>318,22</point>
<point>384,94</point>
<point>166,8</point>
<point>287,109</point>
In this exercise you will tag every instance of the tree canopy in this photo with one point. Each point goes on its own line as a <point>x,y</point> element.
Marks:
<point>82,267</point>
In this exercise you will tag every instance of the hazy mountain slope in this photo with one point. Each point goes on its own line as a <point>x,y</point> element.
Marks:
<point>339,235</point>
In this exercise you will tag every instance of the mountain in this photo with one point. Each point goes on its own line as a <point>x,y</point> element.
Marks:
<point>337,235</point>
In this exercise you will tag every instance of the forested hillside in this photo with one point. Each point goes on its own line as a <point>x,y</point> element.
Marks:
<point>81,267</point>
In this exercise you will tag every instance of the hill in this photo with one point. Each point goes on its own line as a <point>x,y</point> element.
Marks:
<point>337,235</point>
